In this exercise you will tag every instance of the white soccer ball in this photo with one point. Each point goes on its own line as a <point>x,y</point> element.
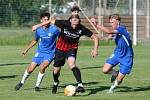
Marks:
<point>70,90</point>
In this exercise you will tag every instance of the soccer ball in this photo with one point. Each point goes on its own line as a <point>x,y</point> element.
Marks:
<point>70,90</point>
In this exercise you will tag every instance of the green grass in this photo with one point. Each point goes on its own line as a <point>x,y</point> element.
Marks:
<point>136,86</point>
<point>15,36</point>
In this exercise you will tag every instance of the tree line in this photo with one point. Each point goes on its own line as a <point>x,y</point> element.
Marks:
<point>22,12</point>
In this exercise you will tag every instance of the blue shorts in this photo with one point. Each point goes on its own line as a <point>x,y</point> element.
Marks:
<point>41,57</point>
<point>125,63</point>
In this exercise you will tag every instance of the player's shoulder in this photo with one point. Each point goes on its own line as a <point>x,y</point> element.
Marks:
<point>121,25</point>
<point>84,28</point>
<point>53,27</point>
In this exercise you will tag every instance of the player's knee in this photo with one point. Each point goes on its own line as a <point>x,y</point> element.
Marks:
<point>30,70</point>
<point>71,62</point>
<point>72,66</point>
<point>56,70</point>
<point>105,70</point>
<point>43,67</point>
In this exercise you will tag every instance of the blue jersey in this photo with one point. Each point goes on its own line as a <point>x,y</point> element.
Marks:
<point>47,39</point>
<point>123,42</point>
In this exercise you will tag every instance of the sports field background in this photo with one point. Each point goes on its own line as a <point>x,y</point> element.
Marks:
<point>136,86</point>
<point>16,19</point>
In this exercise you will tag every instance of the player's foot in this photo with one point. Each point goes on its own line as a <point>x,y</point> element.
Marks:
<point>54,88</point>
<point>37,89</point>
<point>110,91</point>
<point>18,86</point>
<point>80,89</point>
<point>113,77</point>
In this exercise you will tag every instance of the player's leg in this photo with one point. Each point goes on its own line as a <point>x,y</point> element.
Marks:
<point>71,55</point>
<point>46,60</point>
<point>125,68</point>
<point>56,74</point>
<point>59,60</point>
<point>40,76</point>
<point>26,74</point>
<point>117,82</point>
<point>108,69</point>
<point>108,66</point>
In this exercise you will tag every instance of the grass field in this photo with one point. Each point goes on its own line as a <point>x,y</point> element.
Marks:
<point>136,86</point>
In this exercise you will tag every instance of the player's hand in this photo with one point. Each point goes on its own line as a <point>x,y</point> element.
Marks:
<point>34,27</point>
<point>110,36</point>
<point>24,52</point>
<point>94,53</point>
<point>93,21</point>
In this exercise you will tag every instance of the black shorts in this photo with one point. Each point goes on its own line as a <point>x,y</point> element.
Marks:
<point>60,56</point>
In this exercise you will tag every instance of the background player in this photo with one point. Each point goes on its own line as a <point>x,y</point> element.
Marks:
<point>67,46</point>
<point>47,35</point>
<point>123,53</point>
<point>75,10</point>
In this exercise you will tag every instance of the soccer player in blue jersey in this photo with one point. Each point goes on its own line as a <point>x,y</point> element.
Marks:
<point>123,53</point>
<point>47,37</point>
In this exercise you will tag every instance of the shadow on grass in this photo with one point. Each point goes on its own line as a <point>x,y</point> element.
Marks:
<point>96,67</point>
<point>91,89</point>
<point>136,89</point>
<point>62,86</point>
<point>95,90</point>
<point>7,77</point>
<point>8,64</point>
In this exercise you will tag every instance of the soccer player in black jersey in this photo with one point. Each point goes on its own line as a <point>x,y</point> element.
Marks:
<point>67,46</point>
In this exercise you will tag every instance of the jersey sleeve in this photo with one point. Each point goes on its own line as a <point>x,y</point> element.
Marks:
<point>60,23</point>
<point>36,36</point>
<point>87,32</point>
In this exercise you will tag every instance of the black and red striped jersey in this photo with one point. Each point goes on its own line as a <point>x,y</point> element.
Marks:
<point>69,37</point>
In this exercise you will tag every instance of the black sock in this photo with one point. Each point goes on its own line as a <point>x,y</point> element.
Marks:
<point>55,77</point>
<point>77,74</point>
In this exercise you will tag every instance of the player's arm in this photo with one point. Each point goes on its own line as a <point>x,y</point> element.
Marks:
<point>33,42</point>
<point>95,39</point>
<point>94,52</point>
<point>102,28</point>
<point>52,21</point>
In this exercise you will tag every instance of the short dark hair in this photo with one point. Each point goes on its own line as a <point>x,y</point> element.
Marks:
<point>74,16</point>
<point>115,16</point>
<point>44,15</point>
<point>75,8</point>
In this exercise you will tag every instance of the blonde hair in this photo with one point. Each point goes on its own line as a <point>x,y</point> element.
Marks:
<point>115,16</point>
